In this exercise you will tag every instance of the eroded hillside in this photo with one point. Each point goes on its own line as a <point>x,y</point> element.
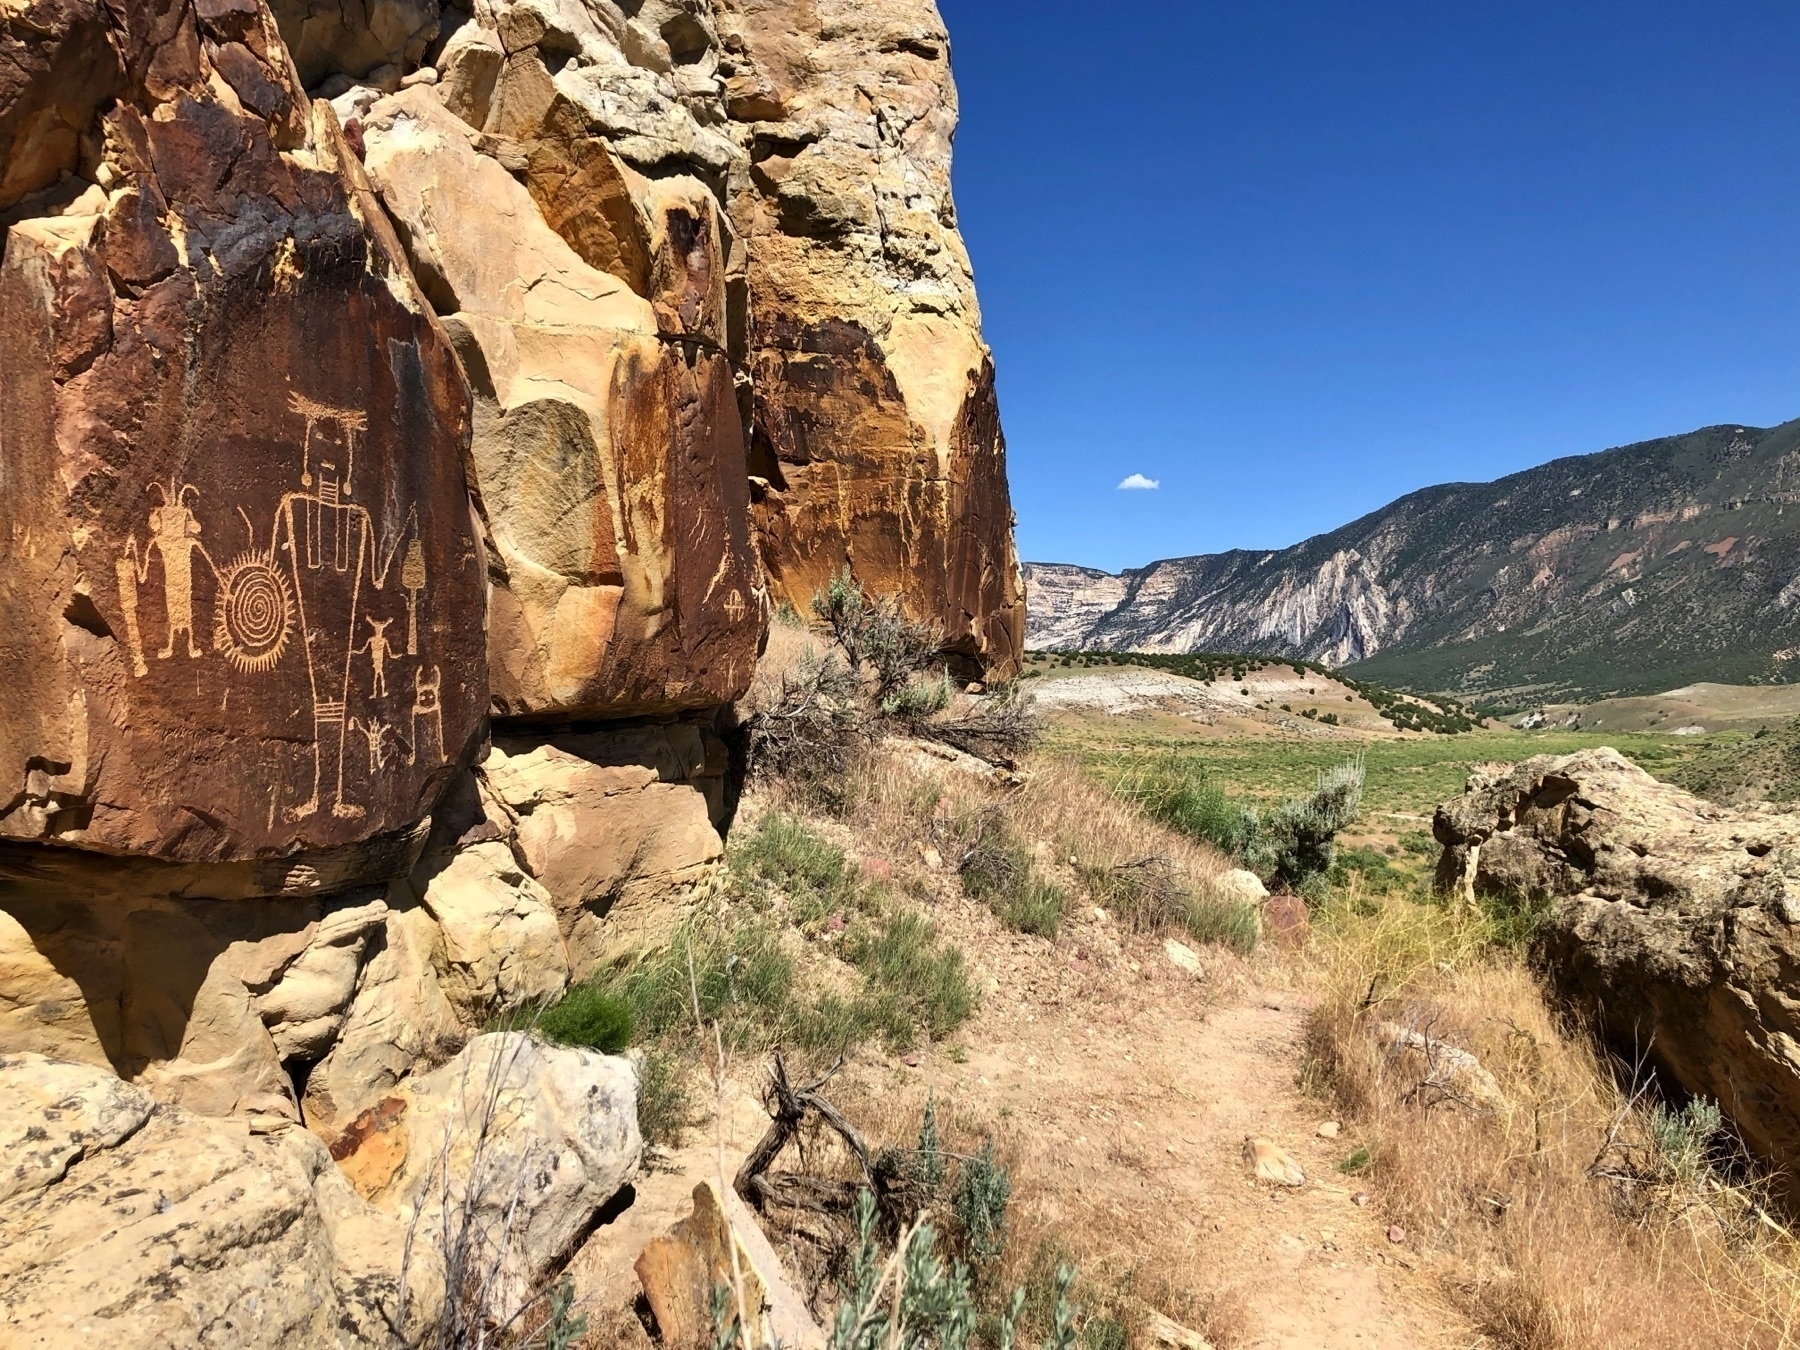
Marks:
<point>1629,571</point>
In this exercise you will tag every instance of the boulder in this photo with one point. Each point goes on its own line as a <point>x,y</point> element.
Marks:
<point>617,827</point>
<point>130,1223</point>
<point>1242,885</point>
<point>610,462</point>
<point>302,997</point>
<point>1674,927</point>
<point>1184,958</point>
<point>511,1148</point>
<point>43,1009</point>
<point>59,68</point>
<point>240,603</point>
<point>500,944</point>
<point>223,1007</point>
<point>399,1020</point>
<point>1440,1071</point>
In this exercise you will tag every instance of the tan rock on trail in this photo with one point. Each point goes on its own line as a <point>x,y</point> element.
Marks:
<point>1269,1161</point>
<point>1675,926</point>
<point>680,1269</point>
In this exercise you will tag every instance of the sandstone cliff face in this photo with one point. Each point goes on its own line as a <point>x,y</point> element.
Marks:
<point>876,431</point>
<point>1676,923</point>
<point>237,560</point>
<point>407,420</point>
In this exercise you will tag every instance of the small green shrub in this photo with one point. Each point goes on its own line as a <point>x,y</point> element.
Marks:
<point>564,1326</point>
<point>589,1016</point>
<point>1035,906</point>
<point>741,973</point>
<point>996,867</point>
<point>665,1106</point>
<point>903,958</point>
<point>1148,897</point>
<point>928,1163</point>
<point>1374,873</point>
<point>1296,842</point>
<point>1181,794</point>
<point>814,873</point>
<point>983,1189</point>
<point>1226,923</point>
<point>1682,1138</point>
<point>879,641</point>
<point>994,860</point>
<point>918,700</point>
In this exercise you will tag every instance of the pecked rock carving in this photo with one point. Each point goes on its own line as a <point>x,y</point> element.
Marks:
<point>233,484</point>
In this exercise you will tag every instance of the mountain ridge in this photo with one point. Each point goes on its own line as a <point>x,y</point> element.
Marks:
<point>1610,572</point>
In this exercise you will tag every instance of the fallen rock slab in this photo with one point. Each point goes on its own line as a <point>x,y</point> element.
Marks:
<point>680,1270</point>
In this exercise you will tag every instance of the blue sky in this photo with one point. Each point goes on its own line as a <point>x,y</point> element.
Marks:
<point>1292,259</point>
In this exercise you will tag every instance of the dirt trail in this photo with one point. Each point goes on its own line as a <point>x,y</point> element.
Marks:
<point>1123,1088</point>
<point>1129,1092</point>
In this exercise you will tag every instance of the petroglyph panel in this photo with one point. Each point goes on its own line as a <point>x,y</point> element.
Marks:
<point>242,600</point>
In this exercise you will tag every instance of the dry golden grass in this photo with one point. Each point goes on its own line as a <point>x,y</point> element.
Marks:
<point>1547,1238</point>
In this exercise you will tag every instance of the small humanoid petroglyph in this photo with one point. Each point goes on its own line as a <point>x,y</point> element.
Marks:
<point>380,651</point>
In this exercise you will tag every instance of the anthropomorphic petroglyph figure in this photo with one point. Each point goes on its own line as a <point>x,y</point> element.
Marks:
<point>175,535</point>
<point>380,651</point>
<point>426,706</point>
<point>374,731</point>
<point>331,552</point>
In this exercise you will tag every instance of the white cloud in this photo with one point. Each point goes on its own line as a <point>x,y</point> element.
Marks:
<point>1138,483</point>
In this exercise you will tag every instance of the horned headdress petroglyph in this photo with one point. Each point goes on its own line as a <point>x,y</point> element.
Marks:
<point>306,591</point>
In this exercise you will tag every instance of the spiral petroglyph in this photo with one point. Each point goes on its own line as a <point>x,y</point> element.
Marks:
<point>255,615</point>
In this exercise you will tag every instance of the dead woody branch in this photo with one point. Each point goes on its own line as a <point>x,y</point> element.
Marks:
<point>788,1107</point>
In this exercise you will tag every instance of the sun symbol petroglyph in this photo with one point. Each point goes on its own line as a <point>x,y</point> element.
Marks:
<point>255,614</point>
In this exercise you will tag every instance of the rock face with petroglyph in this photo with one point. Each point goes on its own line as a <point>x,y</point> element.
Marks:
<point>241,581</point>
<point>770,184</point>
<point>407,419</point>
<point>1677,924</point>
<point>610,458</point>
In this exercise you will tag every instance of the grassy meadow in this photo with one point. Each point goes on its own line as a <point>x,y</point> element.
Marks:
<point>1407,776</point>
